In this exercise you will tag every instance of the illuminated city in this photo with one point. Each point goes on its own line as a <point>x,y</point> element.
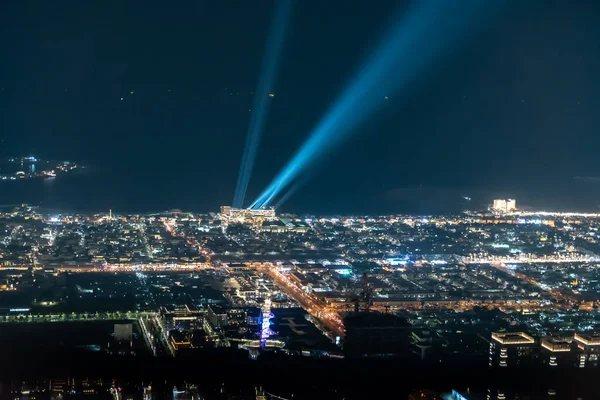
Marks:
<point>188,282</point>
<point>296,200</point>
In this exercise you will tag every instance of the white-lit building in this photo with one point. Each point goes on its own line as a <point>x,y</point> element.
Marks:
<point>504,205</point>
<point>247,214</point>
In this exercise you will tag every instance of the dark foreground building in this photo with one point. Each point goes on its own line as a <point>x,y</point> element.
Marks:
<point>374,334</point>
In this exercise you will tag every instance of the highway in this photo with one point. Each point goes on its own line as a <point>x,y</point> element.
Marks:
<point>325,315</point>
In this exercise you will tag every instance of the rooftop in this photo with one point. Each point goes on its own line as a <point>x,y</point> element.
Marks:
<point>512,338</point>
<point>589,339</point>
<point>557,344</point>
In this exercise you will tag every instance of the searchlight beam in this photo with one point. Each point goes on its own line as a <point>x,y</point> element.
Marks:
<point>431,29</point>
<point>262,99</point>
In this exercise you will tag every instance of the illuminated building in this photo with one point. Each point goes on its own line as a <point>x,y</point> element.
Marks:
<point>179,340</point>
<point>217,316</point>
<point>181,317</point>
<point>247,215</point>
<point>511,349</point>
<point>511,205</point>
<point>265,326</point>
<point>275,226</point>
<point>226,211</point>
<point>558,351</point>
<point>504,205</point>
<point>58,385</point>
<point>499,204</point>
<point>589,349</point>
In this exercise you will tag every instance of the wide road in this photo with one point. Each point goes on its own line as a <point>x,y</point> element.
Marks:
<point>328,318</point>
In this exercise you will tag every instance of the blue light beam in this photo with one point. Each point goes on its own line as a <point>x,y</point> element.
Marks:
<point>430,30</point>
<point>292,190</point>
<point>270,63</point>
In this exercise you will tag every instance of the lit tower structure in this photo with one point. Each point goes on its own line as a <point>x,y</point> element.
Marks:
<point>265,327</point>
<point>504,205</point>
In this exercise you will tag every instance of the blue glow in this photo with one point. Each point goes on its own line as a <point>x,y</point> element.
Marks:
<point>266,331</point>
<point>286,196</point>
<point>430,30</point>
<point>262,99</point>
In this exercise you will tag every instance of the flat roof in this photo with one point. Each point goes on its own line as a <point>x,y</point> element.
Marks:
<point>512,338</point>
<point>589,339</point>
<point>557,344</point>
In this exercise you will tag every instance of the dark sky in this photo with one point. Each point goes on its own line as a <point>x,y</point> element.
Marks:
<point>514,111</point>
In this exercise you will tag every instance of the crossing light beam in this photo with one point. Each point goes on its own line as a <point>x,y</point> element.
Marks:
<point>429,30</point>
<point>263,96</point>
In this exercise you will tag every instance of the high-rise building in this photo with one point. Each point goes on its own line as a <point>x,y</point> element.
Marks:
<point>499,204</point>
<point>511,205</point>
<point>179,340</point>
<point>589,349</point>
<point>511,349</point>
<point>247,215</point>
<point>504,205</point>
<point>558,351</point>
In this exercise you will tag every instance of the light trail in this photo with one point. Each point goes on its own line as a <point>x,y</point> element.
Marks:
<point>429,31</point>
<point>325,315</point>
<point>262,99</point>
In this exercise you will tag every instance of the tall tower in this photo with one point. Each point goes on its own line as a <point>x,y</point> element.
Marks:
<point>499,205</point>
<point>511,205</point>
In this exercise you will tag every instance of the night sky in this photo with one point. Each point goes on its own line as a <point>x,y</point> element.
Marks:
<point>513,111</point>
